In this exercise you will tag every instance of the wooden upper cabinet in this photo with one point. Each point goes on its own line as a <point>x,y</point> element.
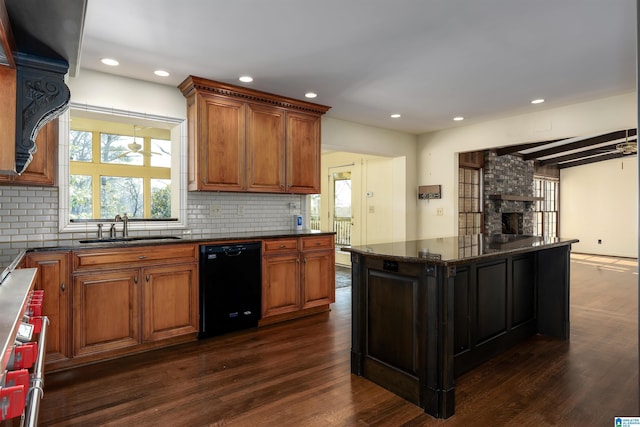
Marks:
<point>220,145</point>
<point>303,150</point>
<point>265,149</point>
<point>43,168</point>
<point>7,120</point>
<point>246,140</point>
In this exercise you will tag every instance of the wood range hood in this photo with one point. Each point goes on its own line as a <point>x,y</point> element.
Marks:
<point>39,45</point>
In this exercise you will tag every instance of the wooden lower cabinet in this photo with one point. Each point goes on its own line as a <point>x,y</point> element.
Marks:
<point>298,279</point>
<point>109,314</point>
<point>106,313</point>
<point>104,303</point>
<point>115,310</point>
<point>281,279</point>
<point>53,277</point>
<point>318,278</point>
<point>128,300</point>
<point>170,301</point>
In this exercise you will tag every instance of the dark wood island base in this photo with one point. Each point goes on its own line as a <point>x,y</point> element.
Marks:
<point>426,311</point>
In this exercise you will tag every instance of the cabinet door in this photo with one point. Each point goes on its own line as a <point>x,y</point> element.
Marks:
<point>53,278</point>
<point>105,311</point>
<point>7,119</point>
<point>221,147</point>
<point>318,278</point>
<point>170,297</point>
<point>265,149</point>
<point>281,284</point>
<point>42,169</point>
<point>303,153</point>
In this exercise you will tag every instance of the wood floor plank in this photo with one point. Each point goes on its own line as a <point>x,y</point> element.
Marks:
<point>298,374</point>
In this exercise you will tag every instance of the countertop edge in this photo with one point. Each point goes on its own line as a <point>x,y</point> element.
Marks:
<point>459,261</point>
<point>213,239</point>
<point>14,292</point>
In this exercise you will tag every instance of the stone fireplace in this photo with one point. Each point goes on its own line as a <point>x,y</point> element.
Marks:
<point>512,223</point>
<point>508,194</point>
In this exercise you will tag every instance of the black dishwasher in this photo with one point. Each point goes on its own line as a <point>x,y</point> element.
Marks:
<point>230,288</point>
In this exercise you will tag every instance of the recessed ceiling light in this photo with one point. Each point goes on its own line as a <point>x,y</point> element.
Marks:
<point>537,101</point>
<point>395,116</point>
<point>110,62</point>
<point>246,79</point>
<point>161,73</point>
<point>310,94</point>
<point>458,119</point>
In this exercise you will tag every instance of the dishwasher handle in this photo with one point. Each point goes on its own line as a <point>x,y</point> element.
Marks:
<point>233,251</point>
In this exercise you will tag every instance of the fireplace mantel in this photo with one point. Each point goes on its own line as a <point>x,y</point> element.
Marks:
<point>515,198</point>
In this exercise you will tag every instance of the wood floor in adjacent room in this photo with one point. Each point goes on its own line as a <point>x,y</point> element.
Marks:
<point>297,374</point>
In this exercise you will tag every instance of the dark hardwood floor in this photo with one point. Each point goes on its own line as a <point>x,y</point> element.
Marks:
<point>297,374</point>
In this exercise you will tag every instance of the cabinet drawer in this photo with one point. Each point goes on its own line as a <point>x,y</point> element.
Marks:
<point>121,257</point>
<point>319,242</point>
<point>280,245</point>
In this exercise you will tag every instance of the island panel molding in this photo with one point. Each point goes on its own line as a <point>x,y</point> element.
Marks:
<point>427,311</point>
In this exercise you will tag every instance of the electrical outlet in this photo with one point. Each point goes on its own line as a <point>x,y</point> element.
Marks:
<point>440,211</point>
<point>240,210</point>
<point>372,209</point>
<point>215,209</point>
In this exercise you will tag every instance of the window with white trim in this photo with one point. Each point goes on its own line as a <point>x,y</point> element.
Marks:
<point>115,162</point>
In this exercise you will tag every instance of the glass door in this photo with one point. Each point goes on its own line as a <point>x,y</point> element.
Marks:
<point>341,215</point>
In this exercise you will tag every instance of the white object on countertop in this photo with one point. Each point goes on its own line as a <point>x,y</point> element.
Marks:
<point>297,222</point>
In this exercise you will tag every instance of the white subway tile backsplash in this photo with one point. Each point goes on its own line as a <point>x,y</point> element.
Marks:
<point>30,214</point>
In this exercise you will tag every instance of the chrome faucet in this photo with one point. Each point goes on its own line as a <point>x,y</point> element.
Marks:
<point>100,231</point>
<point>125,224</point>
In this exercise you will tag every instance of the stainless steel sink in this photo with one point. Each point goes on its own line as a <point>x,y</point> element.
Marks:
<point>128,239</point>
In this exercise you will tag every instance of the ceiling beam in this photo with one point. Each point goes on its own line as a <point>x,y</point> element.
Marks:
<point>515,149</point>
<point>595,159</point>
<point>578,155</point>
<point>620,134</point>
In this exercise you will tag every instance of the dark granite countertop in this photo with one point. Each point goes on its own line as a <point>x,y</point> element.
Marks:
<point>64,244</point>
<point>92,243</point>
<point>458,249</point>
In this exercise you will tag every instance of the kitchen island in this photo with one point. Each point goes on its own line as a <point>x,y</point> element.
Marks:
<point>426,311</point>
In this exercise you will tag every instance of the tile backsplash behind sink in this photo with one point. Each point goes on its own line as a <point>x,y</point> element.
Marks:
<point>30,214</point>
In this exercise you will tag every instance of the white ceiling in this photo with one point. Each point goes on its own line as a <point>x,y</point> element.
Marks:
<point>429,60</point>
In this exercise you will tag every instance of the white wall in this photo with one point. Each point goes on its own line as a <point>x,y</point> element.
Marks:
<point>428,159</point>
<point>340,135</point>
<point>381,216</point>
<point>599,201</point>
<point>438,160</point>
<point>106,90</point>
